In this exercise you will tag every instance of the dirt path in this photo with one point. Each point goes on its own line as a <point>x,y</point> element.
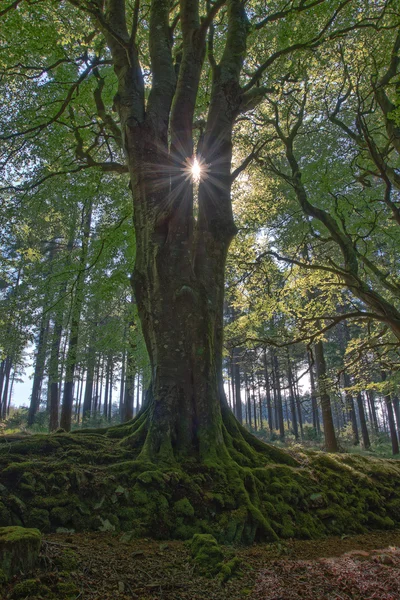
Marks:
<point>104,567</point>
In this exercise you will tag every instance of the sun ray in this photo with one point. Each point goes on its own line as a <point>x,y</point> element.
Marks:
<point>195,169</point>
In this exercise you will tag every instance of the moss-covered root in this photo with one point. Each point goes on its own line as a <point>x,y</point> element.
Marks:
<point>208,558</point>
<point>19,550</point>
<point>206,553</point>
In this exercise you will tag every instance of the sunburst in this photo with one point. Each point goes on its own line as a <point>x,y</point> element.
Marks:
<point>195,169</point>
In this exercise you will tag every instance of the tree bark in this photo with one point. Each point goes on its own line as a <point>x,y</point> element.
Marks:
<point>391,421</point>
<point>292,399</point>
<point>351,413</point>
<point>7,371</point>
<point>66,409</point>
<point>88,396</point>
<point>314,403</point>
<point>278,397</point>
<point>396,408</point>
<point>39,368</point>
<point>363,422</point>
<point>329,430</point>
<point>237,385</point>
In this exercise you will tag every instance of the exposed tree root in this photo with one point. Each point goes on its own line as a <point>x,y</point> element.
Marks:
<point>246,490</point>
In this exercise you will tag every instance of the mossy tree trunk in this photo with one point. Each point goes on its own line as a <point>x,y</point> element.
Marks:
<point>180,258</point>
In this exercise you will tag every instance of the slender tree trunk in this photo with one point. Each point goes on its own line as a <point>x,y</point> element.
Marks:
<point>392,425</point>
<point>351,413</point>
<point>299,407</point>
<point>66,409</point>
<point>10,394</point>
<point>237,382</point>
<point>79,403</point>
<point>122,387</point>
<point>228,384</point>
<point>363,422</point>
<point>101,384</point>
<point>54,376</point>
<point>106,388</point>
<point>314,403</point>
<point>260,402</point>
<point>41,350</point>
<point>384,415</point>
<point>248,396</point>
<point>8,365</point>
<point>278,398</point>
<point>129,395</point>
<point>253,389</point>
<point>2,372</point>
<point>396,408</point>
<point>268,391</point>
<point>138,392</point>
<point>111,390</point>
<point>97,389</point>
<point>391,421</point>
<point>329,430</point>
<point>292,399</point>
<point>88,397</point>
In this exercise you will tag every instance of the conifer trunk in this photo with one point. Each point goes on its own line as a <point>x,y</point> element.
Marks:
<point>268,391</point>
<point>71,358</point>
<point>329,430</point>
<point>363,422</point>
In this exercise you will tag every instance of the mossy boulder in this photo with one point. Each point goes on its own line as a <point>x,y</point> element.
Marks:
<point>39,519</point>
<point>19,549</point>
<point>206,553</point>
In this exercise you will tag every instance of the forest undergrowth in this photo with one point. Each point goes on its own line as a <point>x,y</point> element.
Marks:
<point>114,566</point>
<point>96,480</point>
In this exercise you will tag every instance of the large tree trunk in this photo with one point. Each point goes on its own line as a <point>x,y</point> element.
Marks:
<point>180,257</point>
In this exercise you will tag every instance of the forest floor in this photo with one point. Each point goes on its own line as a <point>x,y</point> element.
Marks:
<point>112,567</point>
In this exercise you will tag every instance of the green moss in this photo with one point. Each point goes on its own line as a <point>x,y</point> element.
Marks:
<point>74,515</point>
<point>67,590</point>
<point>68,561</point>
<point>229,569</point>
<point>206,553</point>
<point>5,516</point>
<point>39,518</point>
<point>29,588</point>
<point>184,508</point>
<point>238,496</point>
<point>380,522</point>
<point>19,549</point>
<point>3,578</point>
